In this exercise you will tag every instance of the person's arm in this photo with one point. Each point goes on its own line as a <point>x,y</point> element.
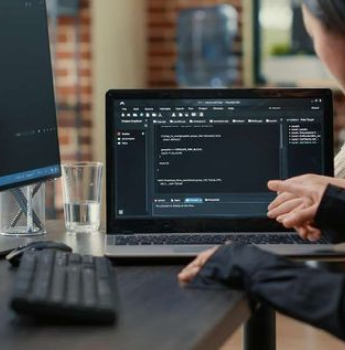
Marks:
<point>311,295</point>
<point>331,211</point>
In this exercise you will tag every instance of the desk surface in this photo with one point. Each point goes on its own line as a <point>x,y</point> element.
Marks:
<point>155,313</point>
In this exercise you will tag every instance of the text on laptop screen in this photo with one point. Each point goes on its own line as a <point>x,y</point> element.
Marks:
<point>211,158</point>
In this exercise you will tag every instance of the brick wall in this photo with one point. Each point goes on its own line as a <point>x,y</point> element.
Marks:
<point>72,61</point>
<point>74,94</point>
<point>162,17</point>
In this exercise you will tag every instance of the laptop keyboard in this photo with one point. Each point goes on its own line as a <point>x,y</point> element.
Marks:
<point>212,239</point>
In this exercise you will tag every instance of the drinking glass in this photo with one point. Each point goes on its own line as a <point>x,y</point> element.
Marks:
<point>82,183</point>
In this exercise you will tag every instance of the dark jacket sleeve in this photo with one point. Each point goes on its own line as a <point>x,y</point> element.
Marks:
<point>331,211</point>
<point>311,295</point>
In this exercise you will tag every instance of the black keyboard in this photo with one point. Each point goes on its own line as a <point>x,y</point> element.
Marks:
<point>64,286</point>
<point>209,239</point>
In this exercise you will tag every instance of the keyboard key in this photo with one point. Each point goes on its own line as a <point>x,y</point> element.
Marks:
<point>73,258</point>
<point>89,287</point>
<point>58,284</point>
<point>104,293</point>
<point>88,260</point>
<point>60,259</point>
<point>41,279</point>
<point>73,282</point>
<point>102,268</point>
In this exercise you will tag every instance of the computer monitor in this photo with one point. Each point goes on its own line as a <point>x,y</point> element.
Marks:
<point>29,150</point>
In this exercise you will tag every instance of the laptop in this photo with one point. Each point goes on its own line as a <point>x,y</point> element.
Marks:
<point>188,169</point>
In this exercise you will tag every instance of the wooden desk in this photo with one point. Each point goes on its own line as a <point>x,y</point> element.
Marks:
<point>155,312</point>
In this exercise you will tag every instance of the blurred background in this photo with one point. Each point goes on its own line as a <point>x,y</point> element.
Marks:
<point>102,44</point>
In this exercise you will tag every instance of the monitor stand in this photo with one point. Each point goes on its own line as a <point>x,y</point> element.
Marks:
<point>22,211</point>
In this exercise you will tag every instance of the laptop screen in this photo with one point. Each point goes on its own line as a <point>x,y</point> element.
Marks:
<point>210,157</point>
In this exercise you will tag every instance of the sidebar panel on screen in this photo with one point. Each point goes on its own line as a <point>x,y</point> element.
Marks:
<point>131,175</point>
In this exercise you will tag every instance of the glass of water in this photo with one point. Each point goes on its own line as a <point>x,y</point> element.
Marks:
<point>82,183</point>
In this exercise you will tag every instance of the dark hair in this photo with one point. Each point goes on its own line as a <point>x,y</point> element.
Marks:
<point>331,13</point>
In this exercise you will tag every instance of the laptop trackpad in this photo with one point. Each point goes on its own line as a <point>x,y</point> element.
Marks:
<point>195,249</point>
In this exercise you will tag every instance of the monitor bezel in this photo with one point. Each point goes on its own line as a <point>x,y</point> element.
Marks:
<point>193,225</point>
<point>25,183</point>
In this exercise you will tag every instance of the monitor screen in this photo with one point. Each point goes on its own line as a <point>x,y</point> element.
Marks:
<point>212,157</point>
<point>28,128</point>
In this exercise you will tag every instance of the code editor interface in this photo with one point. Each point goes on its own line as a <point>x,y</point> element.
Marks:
<point>211,158</point>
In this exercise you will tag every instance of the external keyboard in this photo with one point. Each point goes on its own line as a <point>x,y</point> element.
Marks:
<point>208,239</point>
<point>64,286</point>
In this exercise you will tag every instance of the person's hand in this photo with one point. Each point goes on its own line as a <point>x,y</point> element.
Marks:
<point>298,200</point>
<point>191,270</point>
<point>287,203</point>
<point>297,203</point>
